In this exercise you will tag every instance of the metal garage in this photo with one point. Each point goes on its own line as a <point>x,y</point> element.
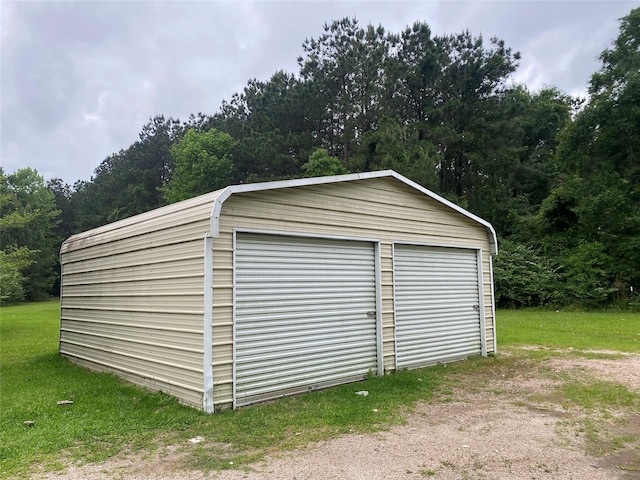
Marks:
<point>262,290</point>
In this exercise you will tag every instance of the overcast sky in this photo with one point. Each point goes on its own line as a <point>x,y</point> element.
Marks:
<point>80,79</point>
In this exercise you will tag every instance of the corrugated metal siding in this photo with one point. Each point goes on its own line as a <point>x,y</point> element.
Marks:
<point>305,314</point>
<point>376,208</point>
<point>132,299</point>
<point>437,304</point>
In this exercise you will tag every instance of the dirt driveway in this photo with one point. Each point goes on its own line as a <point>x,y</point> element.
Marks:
<point>503,425</point>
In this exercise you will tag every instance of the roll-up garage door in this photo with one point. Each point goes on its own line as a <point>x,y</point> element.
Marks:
<point>304,314</point>
<point>437,304</point>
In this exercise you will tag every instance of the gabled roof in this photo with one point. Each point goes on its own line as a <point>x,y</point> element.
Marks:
<point>225,193</point>
<point>218,197</point>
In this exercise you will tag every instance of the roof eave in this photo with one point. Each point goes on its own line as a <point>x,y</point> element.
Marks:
<point>225,193</point>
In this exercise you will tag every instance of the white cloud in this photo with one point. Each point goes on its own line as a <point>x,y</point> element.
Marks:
<point>80,79</point>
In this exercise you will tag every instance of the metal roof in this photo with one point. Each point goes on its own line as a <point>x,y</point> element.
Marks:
<point>223,194</point>
<point>218,197</point>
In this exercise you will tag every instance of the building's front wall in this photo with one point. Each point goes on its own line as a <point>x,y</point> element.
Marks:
<point>380,209</point>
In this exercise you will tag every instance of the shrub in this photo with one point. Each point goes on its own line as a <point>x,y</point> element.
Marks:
<point>523,277</point>
<point>585,277</point>
<point>12,278</point>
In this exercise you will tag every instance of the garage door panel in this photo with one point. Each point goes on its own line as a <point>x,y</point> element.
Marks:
<point>321,355</point>
<point>264,390</point>
<point>303,314</point>
<point>457,306</point>
<point>438,329</point>
<point>262,385</point>
<point>305,308</point>
<point>438,317</point>
<point>460,304</point>
<point>266,371</point>
<point>435,355</point>
<point>282,335</point>
<point>436,304</point>
<point>280,345</point>
<point>301,319</point>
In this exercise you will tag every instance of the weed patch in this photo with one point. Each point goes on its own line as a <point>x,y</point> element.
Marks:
<point>603,395</point>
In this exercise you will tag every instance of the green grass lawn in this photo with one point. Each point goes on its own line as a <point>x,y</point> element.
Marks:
<point>108,414</point>
<point>615,330</point>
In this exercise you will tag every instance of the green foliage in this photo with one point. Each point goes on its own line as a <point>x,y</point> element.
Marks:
<point>518,170</point>
<point>557,218</point>
<point>345,67</point>
<point>599,151</point>
<point>577,276</point>
<point>585,277</point>
<point>28,219</point>
<point>523,277</point>
<point>321,163</point>
<point>62,194</point>
<point>202,164</point>
<point>273,123</point>
<point>128,182</point>
<point>13,265</point>
<point>398,147</point>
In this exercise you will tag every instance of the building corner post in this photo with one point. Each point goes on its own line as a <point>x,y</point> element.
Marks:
<point>207,337</point>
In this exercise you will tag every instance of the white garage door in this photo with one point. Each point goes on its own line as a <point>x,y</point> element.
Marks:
<point>304,314</point>
<point>437,302</point>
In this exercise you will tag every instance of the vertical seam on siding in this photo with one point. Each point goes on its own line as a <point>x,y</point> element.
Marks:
<point>481,306</point>
<point>61,300</point>
<point>207,332</point>
<point>233,320</point>
<point>378,277</point>
<point>395,318</point>
<point>493,306</point>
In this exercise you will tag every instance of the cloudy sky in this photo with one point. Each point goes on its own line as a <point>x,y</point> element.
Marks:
<point>80,79</point>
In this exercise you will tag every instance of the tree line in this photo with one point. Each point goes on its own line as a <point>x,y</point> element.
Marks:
<point>558,177</point>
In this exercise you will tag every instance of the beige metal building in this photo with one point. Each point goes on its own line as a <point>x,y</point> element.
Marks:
<point>257,291</point>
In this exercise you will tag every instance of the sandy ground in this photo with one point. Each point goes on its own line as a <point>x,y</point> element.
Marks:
<point>500,428</point>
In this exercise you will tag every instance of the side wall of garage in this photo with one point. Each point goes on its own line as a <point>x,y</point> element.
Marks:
<point>380,208</point>
<point>132,298</point>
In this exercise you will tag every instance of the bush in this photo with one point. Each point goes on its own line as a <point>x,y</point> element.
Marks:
<point>12,278</point>
<point>523,277</point>
<point>585,278</point>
